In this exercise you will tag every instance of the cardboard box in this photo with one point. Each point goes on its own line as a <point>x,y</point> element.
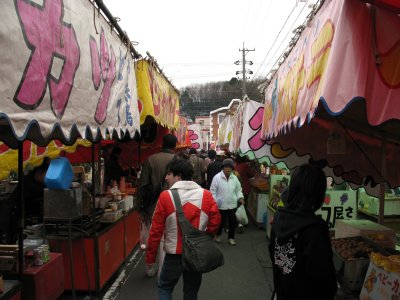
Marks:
<point>368,229</point>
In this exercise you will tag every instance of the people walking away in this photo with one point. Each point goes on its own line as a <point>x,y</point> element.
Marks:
<point>200,208</point>
<point>153,174</point>
<point>214,167</point>
<point>150,186</point>
<point>300,246</point>
<point>227,191</point>
<point>198,167</point>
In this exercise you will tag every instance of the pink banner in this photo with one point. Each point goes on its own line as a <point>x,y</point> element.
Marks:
<point>349,50</point>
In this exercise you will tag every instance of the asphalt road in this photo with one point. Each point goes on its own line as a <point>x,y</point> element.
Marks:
<point>246,274</point>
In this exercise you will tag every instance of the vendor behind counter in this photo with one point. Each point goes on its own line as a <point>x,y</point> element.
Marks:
<point>33,196</point>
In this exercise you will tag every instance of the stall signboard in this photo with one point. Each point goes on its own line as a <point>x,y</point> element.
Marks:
<point>380,284</point>
<point>225,130</point>
<point>33,154</point>
<point>237,127</point>
<point>249,142</point>
<point>157,97</point>
<point>182,134</point>
<point>64,67</point>
<point>195,136</point>
<point>338,205</point>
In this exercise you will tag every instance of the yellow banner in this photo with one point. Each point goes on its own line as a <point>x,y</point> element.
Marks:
<point>157,97</point>
<point>33,155</point>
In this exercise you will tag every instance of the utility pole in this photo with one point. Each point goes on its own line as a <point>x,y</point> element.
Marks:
<point>244,71</point>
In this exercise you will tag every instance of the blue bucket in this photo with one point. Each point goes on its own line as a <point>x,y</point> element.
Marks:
<point>59,174</point>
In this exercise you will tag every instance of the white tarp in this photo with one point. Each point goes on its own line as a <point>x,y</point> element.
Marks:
<point>63,66</point>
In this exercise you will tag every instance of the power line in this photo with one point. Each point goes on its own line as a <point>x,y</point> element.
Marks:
<point>269,62</point>
<point>255,19</point>
<point>262,26</point>
<point>245,22</point>
<point>273,44</point>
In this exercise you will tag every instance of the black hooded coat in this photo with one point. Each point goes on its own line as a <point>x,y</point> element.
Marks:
<point>301,256</point>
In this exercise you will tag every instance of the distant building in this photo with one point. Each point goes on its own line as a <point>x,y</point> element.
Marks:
<point>218,115</point>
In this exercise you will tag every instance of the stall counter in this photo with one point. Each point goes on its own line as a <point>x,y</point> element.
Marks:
<point>97,257</point>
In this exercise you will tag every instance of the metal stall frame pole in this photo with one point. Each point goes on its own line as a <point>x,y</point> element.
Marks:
<point>93,206</point>
<point>21,209</point>
<point>382,187</point>
<point>139,152</point>
<point>94,233</point>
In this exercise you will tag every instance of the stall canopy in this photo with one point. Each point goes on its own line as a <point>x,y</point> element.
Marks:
<point>335,96</point>
<point>65,74</point>
<point>246,141</point>
<point>33,154</point>
<point>158,98</point>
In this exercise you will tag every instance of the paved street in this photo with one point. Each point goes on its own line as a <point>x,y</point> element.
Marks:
<point>247,273</point>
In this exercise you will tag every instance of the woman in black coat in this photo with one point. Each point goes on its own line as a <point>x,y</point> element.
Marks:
<point>300,247</point>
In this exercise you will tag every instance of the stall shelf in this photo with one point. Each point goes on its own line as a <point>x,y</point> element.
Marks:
<point>257,206</point>
<point>368,205</point>
<point>104,253</point>
<point>277,183</point>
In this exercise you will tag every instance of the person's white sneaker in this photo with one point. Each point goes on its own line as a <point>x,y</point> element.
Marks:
<point>217,238</point>
<point>232,242</point>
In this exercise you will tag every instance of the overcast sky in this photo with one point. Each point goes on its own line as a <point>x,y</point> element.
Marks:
<point>199,41</point>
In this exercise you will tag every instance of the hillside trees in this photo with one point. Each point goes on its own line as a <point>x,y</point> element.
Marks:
<point>200,99</point>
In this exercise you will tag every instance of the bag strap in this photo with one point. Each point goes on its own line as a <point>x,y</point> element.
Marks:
<point>183,222</point>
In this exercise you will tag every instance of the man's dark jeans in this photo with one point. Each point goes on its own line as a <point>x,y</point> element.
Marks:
<point>171,270</point>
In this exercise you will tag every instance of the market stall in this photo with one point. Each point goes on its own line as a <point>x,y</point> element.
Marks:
<point>334,95</point>
<point>62,53</point>
<point>357,131</point>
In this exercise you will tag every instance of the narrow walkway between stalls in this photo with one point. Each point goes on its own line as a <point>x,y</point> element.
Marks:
<point>246,274</point>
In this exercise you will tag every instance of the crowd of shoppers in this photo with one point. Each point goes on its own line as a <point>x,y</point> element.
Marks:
<point>300,247</point>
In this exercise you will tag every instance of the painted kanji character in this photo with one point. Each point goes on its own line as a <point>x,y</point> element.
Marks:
<point>48,37</point>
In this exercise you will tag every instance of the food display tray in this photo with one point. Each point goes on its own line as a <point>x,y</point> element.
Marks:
<point>351,272</point>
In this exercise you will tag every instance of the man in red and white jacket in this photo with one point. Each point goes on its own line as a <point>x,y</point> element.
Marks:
<point>199,207</point>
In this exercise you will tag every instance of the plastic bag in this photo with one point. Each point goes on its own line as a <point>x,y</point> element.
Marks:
<point>144,234</point>
<point>241,215</point>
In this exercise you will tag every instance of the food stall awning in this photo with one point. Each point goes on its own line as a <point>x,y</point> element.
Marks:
<point>33,154</point>
<point>158,98</point>
<point>65,74</point>
<point>342,78</point>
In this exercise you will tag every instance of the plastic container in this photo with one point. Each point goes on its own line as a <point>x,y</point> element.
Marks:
<point>59,174</point>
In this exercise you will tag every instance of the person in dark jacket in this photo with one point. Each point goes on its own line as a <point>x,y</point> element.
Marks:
<point>300,246</point>
<point>112,168</point>
<point>214,167</point>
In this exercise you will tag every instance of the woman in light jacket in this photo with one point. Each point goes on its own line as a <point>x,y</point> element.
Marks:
<point>227,192</point>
